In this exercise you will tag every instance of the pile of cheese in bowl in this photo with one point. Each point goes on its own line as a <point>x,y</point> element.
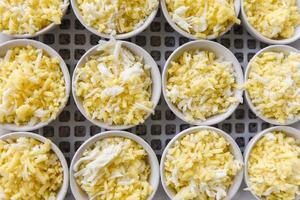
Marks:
<point>114,168</point>
<point>29,169</point>
<point>200,165</point>
<point>115,86</point>
<point>272,85</point>
<point>32,86</point>
<point>274,19</point>
<point>273,166</point>
<point>116,17</point>
<point>203,18</point>
<point>201,85</point>
<point>20,17</point>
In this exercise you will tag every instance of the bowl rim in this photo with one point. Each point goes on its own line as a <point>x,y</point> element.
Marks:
<point>65,185</point>
<point>47,28</point>
<point>66,75</point>
<point>152,159</point>
<point>204,44</point>
<point>277,48</point>
<point>290,131</point>
<point>237,6</point>
<point>155,77</point>
<point>235,150</point>
<point>148,20</point>
<point>256,34</point>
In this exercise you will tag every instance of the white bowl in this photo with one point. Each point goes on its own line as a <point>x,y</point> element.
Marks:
<point>276,48</point>
<point>24,42</point>
<point>155,76</point>
<point>219,50</point>
<point>79,194</point>
<point>135,32</point>
<point>234,149</point>
<point>42,31</point>
<point>63,191</point>
<point>256,34</point>
<point>292,132</point>
<point>237,6</point>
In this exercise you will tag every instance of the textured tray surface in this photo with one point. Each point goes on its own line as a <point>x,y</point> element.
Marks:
<point>71,129</point>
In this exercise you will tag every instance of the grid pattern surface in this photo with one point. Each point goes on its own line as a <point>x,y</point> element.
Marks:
<point>71,129</point>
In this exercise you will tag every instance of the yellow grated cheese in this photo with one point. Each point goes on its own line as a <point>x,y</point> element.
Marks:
<point>114,168</point>
<point>274,167</point>
<point>274,19</point>
<point>117,16</point>
<point>29,16</point>
<point>114,86</point>
<point>208,18</point>
<point>201,85</point>
<point>29,170</point>
<point>273,85</point>
<point>32,86</point>
<point>201,166</point>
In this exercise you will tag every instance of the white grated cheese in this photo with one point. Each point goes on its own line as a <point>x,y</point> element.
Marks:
<point>32,86</point>
<point>200,166</point>
<point>272,85</point>
<point>274,167</point>
<point>211,18</point>
<point>119,163</point>
<point>29,170</point>
<point>278,21</point>
<point>29,16</point>
<point>115,85</point>
<point>116,17</point>
<point>201,85</point>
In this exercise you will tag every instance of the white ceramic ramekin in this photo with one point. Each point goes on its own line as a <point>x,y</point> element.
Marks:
<point>292,132</point>
<point>4,47</point>
<point>237,6</point>
<point>79,194</point>
<point>122,36</point>
<point>42,31</point>
<point>219,50</point>
<point>277,48</point>
<point>155,76</point>
<point>256,34</point>
<point>63,191</point>
<point>234,148</point>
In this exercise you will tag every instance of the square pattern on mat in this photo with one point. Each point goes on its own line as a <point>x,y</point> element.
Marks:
<point>71,129</point>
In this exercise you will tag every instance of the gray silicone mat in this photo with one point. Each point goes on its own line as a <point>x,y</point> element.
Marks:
<point>71,129</point>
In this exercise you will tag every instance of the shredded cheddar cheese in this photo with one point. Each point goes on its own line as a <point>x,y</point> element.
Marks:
<point>118,16</point>
<point>29,16</point>
<point>200,166</point>
<point>273,85</point>
<point>32,86</point>
<point>274,19</point>
<point>114,168</point>
<point>274,167</point>
<point>203,18</point>
<point>29,170</point>
<point>201,85</point>
<point>114,86</point>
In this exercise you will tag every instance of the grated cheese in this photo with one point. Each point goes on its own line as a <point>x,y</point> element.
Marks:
<point>201,85</point>
<point>118,16</point>
<point>29,170</point>
<point>273,85</point>
<point>114,86</point>
<point>209,17</point>
<point>274,19</point>
<point>114,168</point>
<point>32,86</point>
<point>29,16</point>
<point>274,167</point>
<point>200,166</point>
